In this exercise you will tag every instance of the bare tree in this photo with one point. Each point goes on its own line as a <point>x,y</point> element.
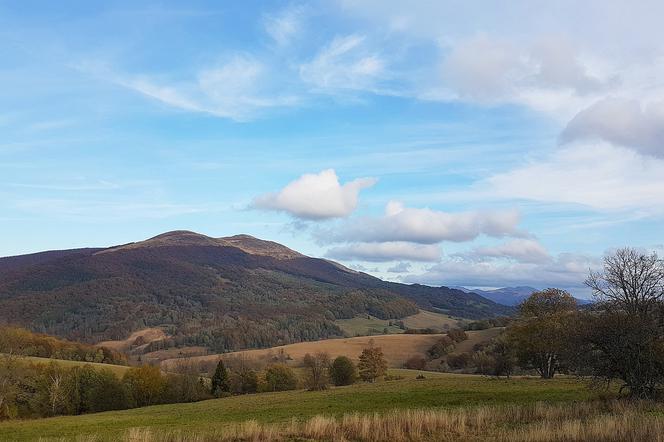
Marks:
<point>631,281</point>
<point>317,366</point>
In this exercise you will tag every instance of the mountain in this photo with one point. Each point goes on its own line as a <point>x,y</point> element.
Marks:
<point>222,293</point>
<point>510,296</point>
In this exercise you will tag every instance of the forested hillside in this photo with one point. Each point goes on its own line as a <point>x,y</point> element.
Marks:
<point>222,293</point>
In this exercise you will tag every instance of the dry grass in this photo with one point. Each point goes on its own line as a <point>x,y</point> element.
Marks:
<point>426,319</point>
<point>586,421</point>
<point>397,349</point>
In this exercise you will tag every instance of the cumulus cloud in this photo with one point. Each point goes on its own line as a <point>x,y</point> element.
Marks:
<point>623,122</point>
<point>427,226</point>
<point>316,196</point>
<point>565,270</point>
<point>386,251</point>
<point>345,64</point>
<point>521,250</point>
<point>600,176</point>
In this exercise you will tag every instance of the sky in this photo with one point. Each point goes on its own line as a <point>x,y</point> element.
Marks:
<point>439,142</point>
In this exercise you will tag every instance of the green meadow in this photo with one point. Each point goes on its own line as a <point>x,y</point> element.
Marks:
<point>436,391</point>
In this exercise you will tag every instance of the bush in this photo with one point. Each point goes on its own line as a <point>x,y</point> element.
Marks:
<point>280,377</point>
<point>415,363</point>
<point>343,371</point>
<point>244,381</point>
<point>443,346</point>
<point>457,335</point>
<point>459,361</point>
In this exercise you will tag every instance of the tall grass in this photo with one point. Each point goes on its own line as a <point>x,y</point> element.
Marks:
<point>585,421</point>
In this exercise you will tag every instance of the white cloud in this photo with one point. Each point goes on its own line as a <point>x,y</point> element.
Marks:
<point>400,267</point>
<point>623,122</point>
<point>345,64</point>
<point>285,25</point>
<point>600,176</point>
<point>520,250</point>
<point>316,196</point>
<point>236,89</point>
<point>386,251</point>
<point>427,226</point>
<point>482,69</point>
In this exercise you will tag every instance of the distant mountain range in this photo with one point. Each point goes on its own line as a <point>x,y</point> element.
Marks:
<point>222,293</point>
<point>510,296</point>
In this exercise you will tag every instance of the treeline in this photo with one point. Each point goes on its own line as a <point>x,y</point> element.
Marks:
<point>235,376</point>
<point>19,341</point>
<point>40,390</point>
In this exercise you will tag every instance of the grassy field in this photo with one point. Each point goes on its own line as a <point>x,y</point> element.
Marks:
<point>118,370</point>
<point>436,392</point>
<point>368,325</point>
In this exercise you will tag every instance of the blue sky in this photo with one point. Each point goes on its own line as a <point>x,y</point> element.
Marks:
<point>431,142</point>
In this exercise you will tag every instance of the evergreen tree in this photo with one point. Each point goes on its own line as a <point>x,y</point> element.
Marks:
<point>220,381</point>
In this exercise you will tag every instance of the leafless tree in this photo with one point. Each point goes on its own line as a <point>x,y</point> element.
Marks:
<point>631,281</point>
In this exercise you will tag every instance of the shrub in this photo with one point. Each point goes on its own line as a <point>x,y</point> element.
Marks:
<point>343,371</point>
<point>416,363</point>
<point>145,385</point>
<point>443,346</point>
<point>457,335</point>
<point>459,361</point>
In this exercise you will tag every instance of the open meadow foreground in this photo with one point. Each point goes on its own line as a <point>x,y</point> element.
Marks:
<point>331,220</point>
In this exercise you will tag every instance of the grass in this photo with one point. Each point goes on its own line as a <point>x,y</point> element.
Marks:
<point>370,325</point>
<point>440,392</point>
<point>597,421</point>
<point>366,325</point>
<point>118,370</point>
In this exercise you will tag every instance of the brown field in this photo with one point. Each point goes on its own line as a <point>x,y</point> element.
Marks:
<point>397,348</point>
<point>426,319</point>
<point>118,370</point>
<point>124,346</point>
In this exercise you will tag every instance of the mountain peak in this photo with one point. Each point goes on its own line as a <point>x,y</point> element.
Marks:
<point>246,243</point>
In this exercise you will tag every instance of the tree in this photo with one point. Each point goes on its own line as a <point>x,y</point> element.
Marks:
<point>317,370</point>
<point>372,364</point>
<point>624,337</point>
<point>145,385</point>
<point>220,381</point>
<point>9,388</point>
<point>630,281</point>
<point>280,377</point>
<point>538,335</point>
<point>441,347</point>
<point>343,371</point>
